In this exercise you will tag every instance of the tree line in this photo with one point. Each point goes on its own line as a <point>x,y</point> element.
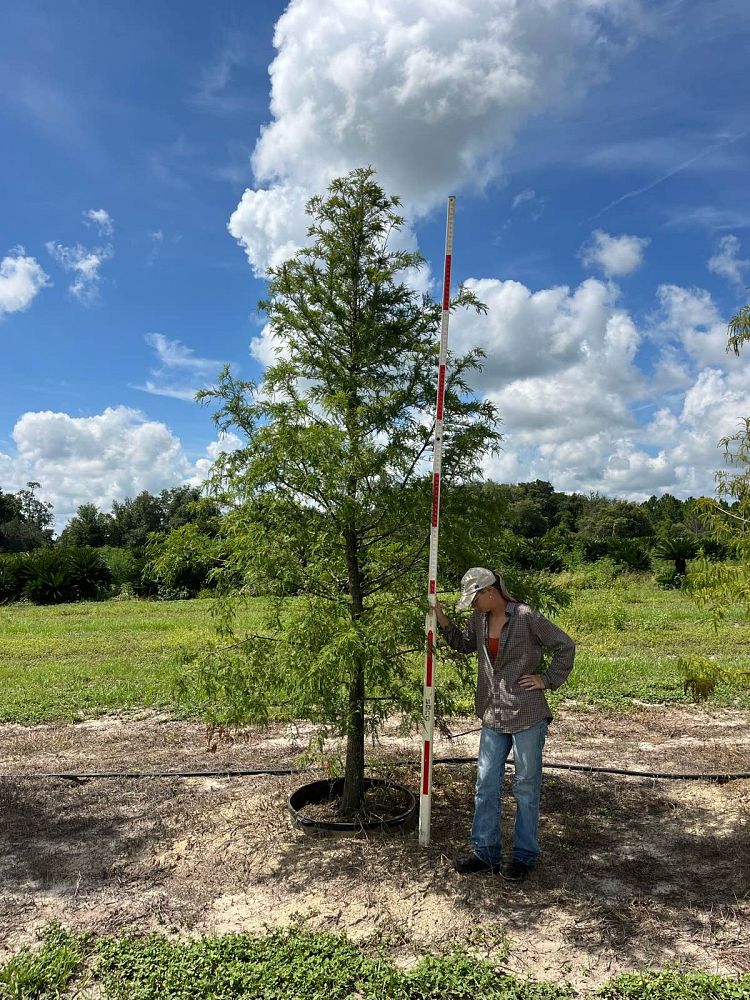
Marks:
<point>168,544</point>
<point>529,510</point>
<point>153,545</point>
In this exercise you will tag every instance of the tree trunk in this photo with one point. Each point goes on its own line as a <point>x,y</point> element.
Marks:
<point>354,770</point>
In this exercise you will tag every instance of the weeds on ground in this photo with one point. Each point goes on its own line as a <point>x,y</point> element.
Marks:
<point>293,964</point>
<point>673,985</point>
<point>47,971</point>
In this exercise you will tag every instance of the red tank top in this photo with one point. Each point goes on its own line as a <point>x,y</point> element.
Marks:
<point>492,644</point>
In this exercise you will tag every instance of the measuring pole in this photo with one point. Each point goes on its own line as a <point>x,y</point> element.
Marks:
<point>428,700</point>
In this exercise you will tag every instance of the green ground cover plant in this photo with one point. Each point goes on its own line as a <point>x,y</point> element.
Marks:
<point>293,963</point>
<point>45,971</point>
<point>81,660</point>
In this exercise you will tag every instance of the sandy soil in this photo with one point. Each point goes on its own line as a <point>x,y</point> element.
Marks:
<point>634,872</point>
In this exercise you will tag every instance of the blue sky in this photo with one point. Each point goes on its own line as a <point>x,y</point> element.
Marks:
<point>156,159</point>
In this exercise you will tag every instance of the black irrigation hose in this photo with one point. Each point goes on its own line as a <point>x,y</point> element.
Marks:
<point>84,776</point>
<point>718,778</point>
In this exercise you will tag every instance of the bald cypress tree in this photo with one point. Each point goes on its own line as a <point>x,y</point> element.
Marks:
<point>329,498</point>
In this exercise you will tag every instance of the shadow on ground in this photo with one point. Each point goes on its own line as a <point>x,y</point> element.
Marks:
<point>633,871</point>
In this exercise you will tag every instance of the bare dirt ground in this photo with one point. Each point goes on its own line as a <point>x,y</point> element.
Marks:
<point>634,871</point>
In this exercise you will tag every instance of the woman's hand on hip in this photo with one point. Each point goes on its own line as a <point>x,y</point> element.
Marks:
<point>532,682</point>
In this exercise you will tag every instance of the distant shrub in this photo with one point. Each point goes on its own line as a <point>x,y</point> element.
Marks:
<point>536,555</point>
<point>14,572</point>
<point>54,576</point>
<point>181,562</point>
<point>51,577</point>
<point>90,574</point>
<point>125,566</point>
<point>630,553</point>
<point>713,549</point>
<point>536,589</point>
<point>592,576</point>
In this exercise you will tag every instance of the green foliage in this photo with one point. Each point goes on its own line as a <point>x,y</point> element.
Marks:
<point>713,549</point>
<point>677,548</point>
<point>14,573</point>
<point>54,576</point>
<point>330,496</point>
<point>623,554</point>
<point>25,521</point>
<point>702,676</point>
<point>294,963</point>
<point>526,518</point>
<point>19,536</point>
<point>718,586</point>
<point>630,553</point>
<point>50,578</point>
<point>46,973</point>
<point>89,573</point>
<point>592,549</point>
<point>598,575</point>
<point>614,519</point>
<point>670,984</point>
<point>182,561</point>
<point>739,330</point>
<point>89,527</point>
<point>35,511</point>
<point>10,507</point>
<point>125,567</point>
<point>540,590</point>
<point>132,521</point>
<point>727,519</point>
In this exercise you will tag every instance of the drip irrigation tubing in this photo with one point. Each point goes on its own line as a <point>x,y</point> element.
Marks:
<point>717,777</point>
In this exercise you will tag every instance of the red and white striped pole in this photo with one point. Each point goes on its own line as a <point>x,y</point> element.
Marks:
<point>428,701</point>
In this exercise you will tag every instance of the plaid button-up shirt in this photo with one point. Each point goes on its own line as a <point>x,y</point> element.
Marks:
<point>501,702</point>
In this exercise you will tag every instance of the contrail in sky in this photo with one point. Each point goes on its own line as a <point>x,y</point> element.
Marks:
<point>660,180</point>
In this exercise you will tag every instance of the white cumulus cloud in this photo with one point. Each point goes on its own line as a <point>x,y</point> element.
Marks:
<point>109,456</point>
<point>617,256</point>
<point>690,319</point>
<point>532,335</point>
<point>563,369</point>
<point>85,264</point>
<point>96,459</point>
<point>727,263</point>
<point>100,218</point>
<point>21,279</point>
<point>431,93</point>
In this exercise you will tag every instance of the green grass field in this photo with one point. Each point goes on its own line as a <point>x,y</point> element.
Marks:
<point>77,661</point>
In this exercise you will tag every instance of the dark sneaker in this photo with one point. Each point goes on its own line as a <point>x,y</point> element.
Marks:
<point>516,871</point>
<point>472,864</point>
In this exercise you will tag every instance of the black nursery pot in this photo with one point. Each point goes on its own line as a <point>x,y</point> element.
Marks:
<point>332,788</point>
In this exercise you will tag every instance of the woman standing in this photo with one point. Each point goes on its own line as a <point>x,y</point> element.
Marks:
<point>508,637</point>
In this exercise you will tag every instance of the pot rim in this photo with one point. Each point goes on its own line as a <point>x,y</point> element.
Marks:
<point>330,783</point>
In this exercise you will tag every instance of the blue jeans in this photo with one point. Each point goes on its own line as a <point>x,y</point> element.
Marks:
<point>494,748</point>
